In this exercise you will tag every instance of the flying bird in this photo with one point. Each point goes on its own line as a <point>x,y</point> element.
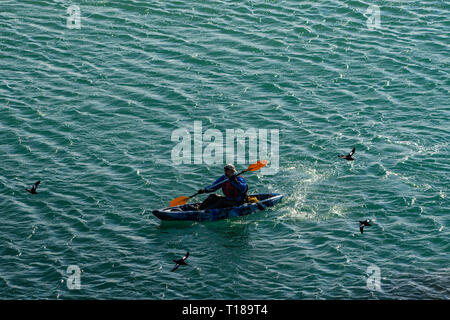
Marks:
<point>363,224</point>
<point>33,188</point>
<point>349,156</point>
<point>180,262</point>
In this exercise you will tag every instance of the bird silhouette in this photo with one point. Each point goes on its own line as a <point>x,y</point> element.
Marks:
<point>33,188</point>
<point>363,224</point>
<point>349,156</point>
<point>180,262</point>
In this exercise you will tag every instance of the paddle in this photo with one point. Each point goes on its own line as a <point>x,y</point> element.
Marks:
<point>253,167</point>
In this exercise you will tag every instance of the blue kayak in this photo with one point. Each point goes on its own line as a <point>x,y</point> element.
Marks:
<point>188,212</point>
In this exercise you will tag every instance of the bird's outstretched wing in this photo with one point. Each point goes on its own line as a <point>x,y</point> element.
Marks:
<point>352,152</point>
<point>36,185</point>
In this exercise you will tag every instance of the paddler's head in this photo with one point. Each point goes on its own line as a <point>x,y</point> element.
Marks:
<point>230,170</point>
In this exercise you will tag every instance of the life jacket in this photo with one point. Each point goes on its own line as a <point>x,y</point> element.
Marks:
<point>231,192</point>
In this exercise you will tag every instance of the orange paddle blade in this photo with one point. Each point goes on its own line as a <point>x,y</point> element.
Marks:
<point>258,165</point>
<point>179,201</point>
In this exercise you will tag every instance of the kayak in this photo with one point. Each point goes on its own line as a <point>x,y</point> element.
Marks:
<point>189,212</point>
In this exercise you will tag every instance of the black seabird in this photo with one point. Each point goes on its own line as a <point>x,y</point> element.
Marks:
<point>363,224</point>
<point>349,156</point>
<point>180,262</point>
<point>33,188</point>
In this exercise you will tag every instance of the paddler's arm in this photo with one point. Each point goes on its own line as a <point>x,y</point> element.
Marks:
<point>213,187</point>
<point>239,183</point>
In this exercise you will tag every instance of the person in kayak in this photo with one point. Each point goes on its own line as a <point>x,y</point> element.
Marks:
<point>234,189</point>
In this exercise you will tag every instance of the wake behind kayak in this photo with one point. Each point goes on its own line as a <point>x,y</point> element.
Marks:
<point>189,212</point>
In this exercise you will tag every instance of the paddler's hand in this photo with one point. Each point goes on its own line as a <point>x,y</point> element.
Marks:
<point>201,191</point>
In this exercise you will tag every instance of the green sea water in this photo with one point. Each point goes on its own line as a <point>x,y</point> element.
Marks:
<point>89,109</point>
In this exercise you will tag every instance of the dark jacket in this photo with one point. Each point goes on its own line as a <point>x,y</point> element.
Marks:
<point>233,190</point>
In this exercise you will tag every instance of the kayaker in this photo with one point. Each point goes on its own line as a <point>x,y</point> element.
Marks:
<point>234,189</point>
